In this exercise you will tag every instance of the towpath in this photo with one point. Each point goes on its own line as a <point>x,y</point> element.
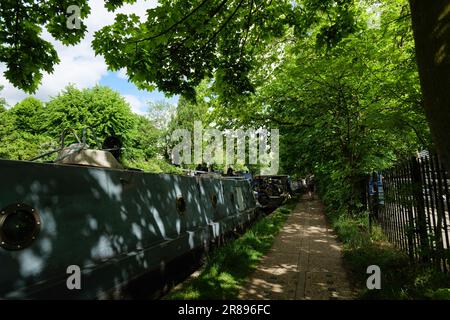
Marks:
<point>305,261</point>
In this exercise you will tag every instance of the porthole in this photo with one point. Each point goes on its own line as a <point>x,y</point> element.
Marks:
<point>214,200</point>
<point>181,205</point>
<point>20,224</point>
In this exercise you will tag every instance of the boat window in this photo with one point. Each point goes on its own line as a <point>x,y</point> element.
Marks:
<point>232,197</point>
<point>181,205</point>
<point>214,200</point>
<point>240,198</point>
<point>19,226</point>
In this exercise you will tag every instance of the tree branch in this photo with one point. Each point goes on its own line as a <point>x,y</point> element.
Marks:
<point>249,23</point>
<point>224,24</point>
<point>174,25</point>
<point>216,11</point>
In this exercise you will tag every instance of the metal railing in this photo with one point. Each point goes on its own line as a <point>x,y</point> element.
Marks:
<point>414,213</point>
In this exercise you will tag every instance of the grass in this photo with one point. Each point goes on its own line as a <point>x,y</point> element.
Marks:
<point>228,267</point>
<point>399,278</point>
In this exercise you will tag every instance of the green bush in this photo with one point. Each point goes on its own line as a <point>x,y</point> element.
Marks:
<point>400,279</point>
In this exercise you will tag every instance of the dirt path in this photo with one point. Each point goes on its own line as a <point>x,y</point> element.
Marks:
<point>305,261</point>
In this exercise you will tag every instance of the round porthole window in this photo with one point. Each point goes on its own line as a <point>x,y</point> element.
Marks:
<point>19,226</point>
<point>181,205</point>
<point>214,200</point>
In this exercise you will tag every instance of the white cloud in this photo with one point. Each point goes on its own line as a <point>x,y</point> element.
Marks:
<point>137,105</point>
<point>122,74</point>
<point>78,65</point>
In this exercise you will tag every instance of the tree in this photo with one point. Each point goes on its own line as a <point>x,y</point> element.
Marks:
<point>431,24</point>
<point>145,139</point>
<point>26,54</point>
<point>2,102</point>
<point>219,38</point>
<point>100,108</point>
<point>28,115</point>
<point>183,42</point>
<point>188,112</point>
<point>342,111</point>
<point>21,136</point>
<point>160,113</point>
<point>32,128</point>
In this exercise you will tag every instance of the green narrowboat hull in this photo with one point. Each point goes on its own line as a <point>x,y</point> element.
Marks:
<point>116,225</point>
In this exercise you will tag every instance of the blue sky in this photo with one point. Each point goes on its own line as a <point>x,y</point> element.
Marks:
<point>137,98</point>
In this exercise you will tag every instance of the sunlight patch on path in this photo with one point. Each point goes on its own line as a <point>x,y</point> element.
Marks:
<point>305,262</point>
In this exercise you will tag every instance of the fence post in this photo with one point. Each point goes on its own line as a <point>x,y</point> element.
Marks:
<point>375,194</point>
<point>373,199</point>
<point>421,222</point>
<point>369,201</point>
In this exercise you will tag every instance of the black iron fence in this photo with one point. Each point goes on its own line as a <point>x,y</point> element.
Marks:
<point>411,204</point>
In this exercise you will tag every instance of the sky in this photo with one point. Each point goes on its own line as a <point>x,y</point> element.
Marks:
<point>80,66</point>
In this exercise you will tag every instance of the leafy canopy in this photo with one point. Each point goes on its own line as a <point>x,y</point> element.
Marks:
<point>184,42</point>
<point>180,44</point>
<point>343,110</point>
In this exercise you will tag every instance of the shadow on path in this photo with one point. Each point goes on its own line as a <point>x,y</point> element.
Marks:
<point>305,261</point>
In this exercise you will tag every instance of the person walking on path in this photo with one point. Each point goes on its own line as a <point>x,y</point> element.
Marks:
<point>311,186</point>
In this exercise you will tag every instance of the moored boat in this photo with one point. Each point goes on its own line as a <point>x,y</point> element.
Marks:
<point>120,227</point>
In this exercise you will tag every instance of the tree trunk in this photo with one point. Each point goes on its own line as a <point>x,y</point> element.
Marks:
<point>431,25</point>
